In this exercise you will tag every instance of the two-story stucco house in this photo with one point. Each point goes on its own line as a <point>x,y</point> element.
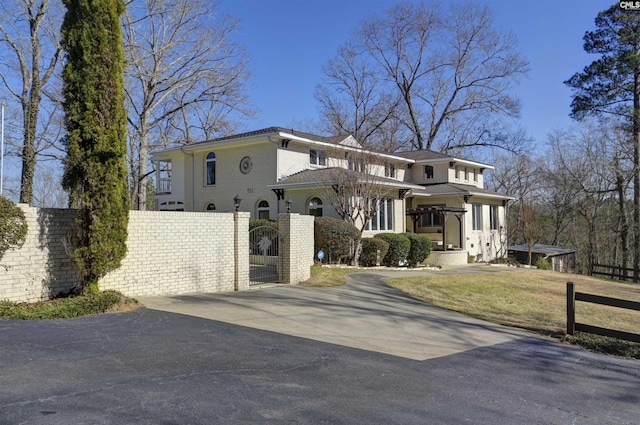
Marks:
<point>276,170</point>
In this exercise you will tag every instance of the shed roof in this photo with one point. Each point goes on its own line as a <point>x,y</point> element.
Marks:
<point>548,250</point>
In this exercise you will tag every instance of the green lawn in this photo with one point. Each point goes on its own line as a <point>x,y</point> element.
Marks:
<point>533,300</point>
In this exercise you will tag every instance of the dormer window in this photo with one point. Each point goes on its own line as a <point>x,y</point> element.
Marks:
<point>317,157</point>
<point>389,170</point>
<point>428,172</point>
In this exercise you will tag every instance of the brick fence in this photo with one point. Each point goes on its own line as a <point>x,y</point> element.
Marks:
<point>168,253</point>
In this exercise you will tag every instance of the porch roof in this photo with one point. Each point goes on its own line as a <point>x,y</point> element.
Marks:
<point>445,189</point>
<point>329,176</point>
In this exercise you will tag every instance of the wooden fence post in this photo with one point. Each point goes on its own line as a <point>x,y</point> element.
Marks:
<point>571,308</point>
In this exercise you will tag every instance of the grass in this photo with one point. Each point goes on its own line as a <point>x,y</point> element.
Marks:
<point>324,277</point>
<point>67,308</point>
<point>533,300</point>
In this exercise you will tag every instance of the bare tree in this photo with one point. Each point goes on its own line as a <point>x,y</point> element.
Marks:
<point>185,77</point>
<point>593,166</point>
<point>357,190</point>
<point>448,69</point>
<point>352,103</point>
<point>29,32</point>
<point>47,188</point>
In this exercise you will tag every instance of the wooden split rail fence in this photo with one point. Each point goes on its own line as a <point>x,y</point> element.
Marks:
<point>572,326</point>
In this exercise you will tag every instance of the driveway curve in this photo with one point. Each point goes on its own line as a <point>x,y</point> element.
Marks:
<point>365,313</point>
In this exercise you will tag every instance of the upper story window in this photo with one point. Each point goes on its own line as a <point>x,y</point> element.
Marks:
<point>476,216</point>
<point>356,164</point>
<point>211,169</point>
<point>428,172</point>
<point>315,207</point>
<point>317,157</point>
<point>164,176</point>
<point>457,173</point>
<point>475,176</point>
<point>383,219</point>
<point>466,174</point>
<point>389,170</point>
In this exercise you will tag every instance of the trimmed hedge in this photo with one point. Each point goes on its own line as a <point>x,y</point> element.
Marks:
<point>370,248</point>
<point>262,222</point>
<point>335,237</point>
<point>13,226</point>
<point>419,250</point>
<point>399,247</point>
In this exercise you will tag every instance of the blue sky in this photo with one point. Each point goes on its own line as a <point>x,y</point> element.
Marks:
<point>290,40</point>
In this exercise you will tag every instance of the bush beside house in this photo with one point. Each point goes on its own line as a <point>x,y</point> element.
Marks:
<point>373,251</point>
<point>399,246</point>
<point>336,238</point>
<point>419,250</point>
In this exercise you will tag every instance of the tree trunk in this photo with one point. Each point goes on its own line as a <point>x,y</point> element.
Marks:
<point>624,223</point>
<point>636,177</point>
<point>30,115</point>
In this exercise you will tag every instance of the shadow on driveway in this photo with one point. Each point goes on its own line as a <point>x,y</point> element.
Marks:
<point>365,313</point>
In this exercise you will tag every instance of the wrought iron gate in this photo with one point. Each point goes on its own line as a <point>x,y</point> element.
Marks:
<point>263,255</point>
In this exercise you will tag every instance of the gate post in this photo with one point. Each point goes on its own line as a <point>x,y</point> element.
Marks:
<point>296,247</point>
<point>241,250</point>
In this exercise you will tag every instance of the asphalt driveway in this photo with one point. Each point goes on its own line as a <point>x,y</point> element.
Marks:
<point>158,367</point>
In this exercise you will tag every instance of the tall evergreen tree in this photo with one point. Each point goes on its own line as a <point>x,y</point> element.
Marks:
<point>95,169</point>
<point>611,86</point>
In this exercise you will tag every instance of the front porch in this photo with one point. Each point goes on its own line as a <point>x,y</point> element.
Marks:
<point>447,244</point>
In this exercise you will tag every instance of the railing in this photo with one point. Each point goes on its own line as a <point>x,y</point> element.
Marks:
<point>616,272</point>
<point>572,326</point>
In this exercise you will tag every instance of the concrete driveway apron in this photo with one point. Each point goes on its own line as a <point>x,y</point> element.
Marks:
<point>365,313</point>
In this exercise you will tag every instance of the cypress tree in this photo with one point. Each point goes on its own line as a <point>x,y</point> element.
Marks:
<point>95,168</point>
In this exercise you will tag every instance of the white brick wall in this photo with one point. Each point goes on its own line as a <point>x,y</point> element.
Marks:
<point>168,253</point>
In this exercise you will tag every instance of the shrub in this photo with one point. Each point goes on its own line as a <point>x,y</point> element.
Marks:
<point>13,226</point>
<point>399,247</point>
<point>335,237</point>
<point>66,308</point>
<point>369,254</point>
<point>419,249</point>
<point>543,264</point>
<point>262,222</point>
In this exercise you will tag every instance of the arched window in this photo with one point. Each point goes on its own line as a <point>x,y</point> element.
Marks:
<point>210,207</point>
<point>211,169</point>
<point>263,210</point>
<point>315,207</point>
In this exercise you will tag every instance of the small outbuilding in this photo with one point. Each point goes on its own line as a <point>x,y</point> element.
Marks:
<point>562,259</point>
